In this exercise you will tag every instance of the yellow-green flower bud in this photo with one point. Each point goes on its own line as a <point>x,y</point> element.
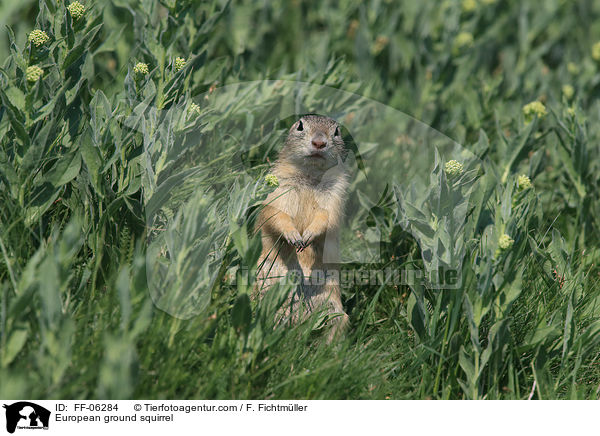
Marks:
<point>194,109</point>
<point>524,182</point>
<point>453,168</point>
<point>469,5</point>
<point>462,40</point>
<point>505,242</point>
<point>76,10</point>
<point>33,73</point>
<point>38,37</point>
<point>179,63</point>
<point>272,180</point>
<point>596,51</point>
<point>380,43</point>
<point>573,68</point>
<point>568,91</point>
<point>141,69</point>
<point>533,109</point>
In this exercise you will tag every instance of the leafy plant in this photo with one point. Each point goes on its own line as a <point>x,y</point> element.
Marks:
<point>134,140</point>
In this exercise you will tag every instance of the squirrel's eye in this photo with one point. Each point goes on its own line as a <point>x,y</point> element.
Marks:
<point>300,126</point>
<point>337,132</point>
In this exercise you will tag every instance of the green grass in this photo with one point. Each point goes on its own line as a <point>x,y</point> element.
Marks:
<point>93,152</point>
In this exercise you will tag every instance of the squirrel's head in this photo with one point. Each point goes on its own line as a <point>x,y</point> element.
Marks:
<point>314,141</point>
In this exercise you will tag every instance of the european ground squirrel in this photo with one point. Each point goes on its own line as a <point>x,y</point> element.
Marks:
<point>300,220</point>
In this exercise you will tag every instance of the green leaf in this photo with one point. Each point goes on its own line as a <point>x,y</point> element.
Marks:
<point>7,170</point>
<point>416,317</point>
<point>541,333</point>
<point>15,343</point>
<point>93,161</point>
<point>67,29</point>
<point>16,53</point>
<point>567,159</point>
<point>41,198</point>
<point>241,314</point>
<point>16,97</point>
<point>49,291</point>
<point>76,52</point>
<point>240,238</point>
<point>521,141</point>
<point>558,252</point>
<point>467,366</point>
<point>111,42</point>
<point>16,119</point>
<point>47,109</point>
<point>65,170</point>
<point>35,152</point>
<point>100,111</point>
<point>123,288</point>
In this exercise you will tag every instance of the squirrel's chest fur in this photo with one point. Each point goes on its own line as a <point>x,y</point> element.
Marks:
<point>302,205</point>
<point>301,198</point>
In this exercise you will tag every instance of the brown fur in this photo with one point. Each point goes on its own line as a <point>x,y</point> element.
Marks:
<point>300,220</point>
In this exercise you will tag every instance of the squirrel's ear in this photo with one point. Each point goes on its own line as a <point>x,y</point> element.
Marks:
<point>300,126</point>
<point>337,132</point>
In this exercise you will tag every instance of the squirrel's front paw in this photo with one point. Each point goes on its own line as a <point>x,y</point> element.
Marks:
<point>293,237</point>
<point>307,238</point>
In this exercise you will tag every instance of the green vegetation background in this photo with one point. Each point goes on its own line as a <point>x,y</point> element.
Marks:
<point>76,319</point>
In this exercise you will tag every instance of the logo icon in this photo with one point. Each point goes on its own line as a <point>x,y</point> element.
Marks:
<point>26,415</point>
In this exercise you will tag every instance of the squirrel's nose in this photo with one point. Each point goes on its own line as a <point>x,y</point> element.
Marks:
<point>319,143</point>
